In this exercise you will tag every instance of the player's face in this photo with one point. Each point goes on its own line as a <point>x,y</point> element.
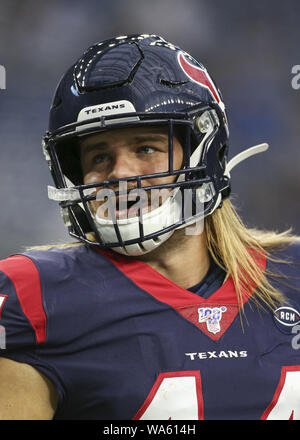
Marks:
<point>128,152</point>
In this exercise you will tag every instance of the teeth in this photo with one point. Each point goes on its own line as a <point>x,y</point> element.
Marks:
<point>127,204</point>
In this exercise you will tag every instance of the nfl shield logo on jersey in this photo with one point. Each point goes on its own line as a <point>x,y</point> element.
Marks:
<point>212,316</point>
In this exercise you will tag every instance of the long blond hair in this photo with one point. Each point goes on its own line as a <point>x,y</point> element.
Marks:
<point>231,245</point>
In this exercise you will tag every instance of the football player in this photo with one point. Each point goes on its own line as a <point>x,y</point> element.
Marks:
<point>166,306</point>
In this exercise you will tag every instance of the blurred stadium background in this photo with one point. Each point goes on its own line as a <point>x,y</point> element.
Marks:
<point>249,47</point>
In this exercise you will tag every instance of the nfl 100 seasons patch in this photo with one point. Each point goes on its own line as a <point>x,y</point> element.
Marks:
<point>212,317</point>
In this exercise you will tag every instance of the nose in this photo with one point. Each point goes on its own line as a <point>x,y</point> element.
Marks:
<point>122,167</point>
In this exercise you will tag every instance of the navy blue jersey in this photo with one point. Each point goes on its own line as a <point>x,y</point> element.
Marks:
<point>118,340</point>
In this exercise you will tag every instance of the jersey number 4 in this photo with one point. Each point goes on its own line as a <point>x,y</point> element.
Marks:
<point>178,395</point>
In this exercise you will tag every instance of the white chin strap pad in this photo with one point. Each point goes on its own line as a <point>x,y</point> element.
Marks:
<point>162,217</point>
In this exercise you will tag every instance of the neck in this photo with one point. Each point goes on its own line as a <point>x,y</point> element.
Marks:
<point>183,259</point>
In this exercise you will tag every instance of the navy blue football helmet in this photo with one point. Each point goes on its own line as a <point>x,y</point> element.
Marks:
<point>134,81</point>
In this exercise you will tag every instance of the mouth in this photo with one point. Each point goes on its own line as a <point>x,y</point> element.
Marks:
<point>130,205</point>
<point>122,206</point>
<point>127,208</point>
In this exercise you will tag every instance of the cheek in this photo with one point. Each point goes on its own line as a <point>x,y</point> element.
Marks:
<point>161,163</point>
<point>153,166</point>
<point>92,177</point>
<point>177,156</point>
<point>164,165</point>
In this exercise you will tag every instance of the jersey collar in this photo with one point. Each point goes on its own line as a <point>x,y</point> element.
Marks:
<point>221,306</point>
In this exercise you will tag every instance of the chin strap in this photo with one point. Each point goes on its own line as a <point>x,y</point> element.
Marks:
<point>244,155</point>
<point>206,192</point>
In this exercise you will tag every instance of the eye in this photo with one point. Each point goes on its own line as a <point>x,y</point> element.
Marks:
<point>100,158</point>
<point>147,149</point>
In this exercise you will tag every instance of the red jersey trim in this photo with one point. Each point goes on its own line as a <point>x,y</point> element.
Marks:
<point>25,277</point>
<point>4,298</point>
<point>284,370</point>
<point>166,291</point>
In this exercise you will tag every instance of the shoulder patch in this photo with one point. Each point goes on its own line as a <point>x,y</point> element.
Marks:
<point>286,317</point>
